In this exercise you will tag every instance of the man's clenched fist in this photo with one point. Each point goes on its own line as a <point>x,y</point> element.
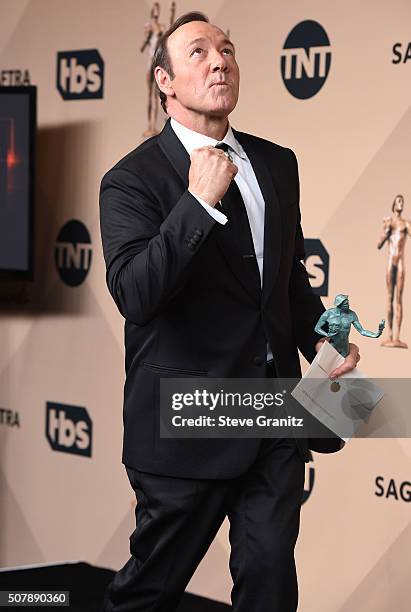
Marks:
<point>211,173</point>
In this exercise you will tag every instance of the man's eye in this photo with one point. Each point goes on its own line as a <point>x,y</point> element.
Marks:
<point>229,50</point>
<point>195,50</point>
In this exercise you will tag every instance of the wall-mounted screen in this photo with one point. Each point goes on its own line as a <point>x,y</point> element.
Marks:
<point>17,133</point>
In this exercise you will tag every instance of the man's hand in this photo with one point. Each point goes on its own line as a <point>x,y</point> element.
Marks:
<point>350,361</point>
<point>211,173</point>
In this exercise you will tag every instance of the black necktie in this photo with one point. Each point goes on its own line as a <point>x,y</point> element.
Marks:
<point>238,225</point>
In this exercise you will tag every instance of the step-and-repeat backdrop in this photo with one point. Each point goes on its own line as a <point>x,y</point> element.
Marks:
<point>331,80</point>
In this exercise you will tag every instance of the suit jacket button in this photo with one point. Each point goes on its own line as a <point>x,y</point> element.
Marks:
<point>258,360</point>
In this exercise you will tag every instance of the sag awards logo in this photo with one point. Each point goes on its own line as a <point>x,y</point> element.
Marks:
<point>69,429</point>
<point>14,78</point>
<point>80,74</point>
<point>309,482</point>
<point>401,53</point>
<point>317,263</point>
<point>73,253</point>
<point>306,59</point>
<point>400,491</point>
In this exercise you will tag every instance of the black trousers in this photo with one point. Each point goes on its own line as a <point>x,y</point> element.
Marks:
<point>178,518</point>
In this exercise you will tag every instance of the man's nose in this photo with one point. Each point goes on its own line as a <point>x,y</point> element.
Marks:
<point>218,62</point>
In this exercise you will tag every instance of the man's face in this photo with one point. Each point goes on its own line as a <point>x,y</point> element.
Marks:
<point>206,73</point>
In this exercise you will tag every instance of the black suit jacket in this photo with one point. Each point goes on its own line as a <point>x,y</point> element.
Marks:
<point>190,307</point>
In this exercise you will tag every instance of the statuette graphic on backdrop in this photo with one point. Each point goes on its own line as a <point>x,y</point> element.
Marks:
<point>153,30</point>
<point>395,232</point>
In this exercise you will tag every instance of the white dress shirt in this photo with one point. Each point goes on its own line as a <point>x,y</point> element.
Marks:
<point>246,182</point>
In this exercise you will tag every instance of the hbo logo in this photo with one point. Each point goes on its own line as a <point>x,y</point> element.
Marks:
<point>68,428</point>
<point>80,74</point>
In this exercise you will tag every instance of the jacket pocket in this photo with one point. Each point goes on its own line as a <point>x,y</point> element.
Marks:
<point>155,367</point>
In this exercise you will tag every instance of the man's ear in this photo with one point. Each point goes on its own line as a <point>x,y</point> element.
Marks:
<point>164,81</point>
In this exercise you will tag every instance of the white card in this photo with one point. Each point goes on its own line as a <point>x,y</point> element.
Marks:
<point>341,407</point>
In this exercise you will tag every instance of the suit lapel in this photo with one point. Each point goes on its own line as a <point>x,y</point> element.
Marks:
<point>175,152</point>
<point>177,155</point>
<point>272,218</point>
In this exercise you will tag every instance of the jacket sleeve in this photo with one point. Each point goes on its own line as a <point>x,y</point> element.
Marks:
<point>148,258</point>
<point>306,306</point>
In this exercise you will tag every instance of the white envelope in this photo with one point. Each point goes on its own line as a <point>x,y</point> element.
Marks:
<point>342,405</point>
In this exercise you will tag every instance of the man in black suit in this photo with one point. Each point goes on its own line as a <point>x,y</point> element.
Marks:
<point>203,247</point>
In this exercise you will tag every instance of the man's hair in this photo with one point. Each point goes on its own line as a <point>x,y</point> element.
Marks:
<point>161,56</point>
<point>395,199</point>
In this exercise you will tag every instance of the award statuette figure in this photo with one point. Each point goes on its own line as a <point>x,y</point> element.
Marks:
<point>341,406</point>
<point>395,231</point>
<point>339,320</point>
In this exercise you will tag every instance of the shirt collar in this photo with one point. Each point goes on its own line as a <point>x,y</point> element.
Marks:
<point>193,140</point>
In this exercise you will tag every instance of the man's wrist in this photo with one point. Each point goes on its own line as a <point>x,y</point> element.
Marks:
<point>200,199</point>
<point>213,212</point>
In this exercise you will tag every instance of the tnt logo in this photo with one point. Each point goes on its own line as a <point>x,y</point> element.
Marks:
<point>68,429</point>
<point>309,482</point>
<point>73,253</point>
<point>80,74</point>
<point>317,263</point>
<point>306,59</point>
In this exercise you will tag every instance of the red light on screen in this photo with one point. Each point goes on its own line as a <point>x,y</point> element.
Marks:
<point>12,159</point>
